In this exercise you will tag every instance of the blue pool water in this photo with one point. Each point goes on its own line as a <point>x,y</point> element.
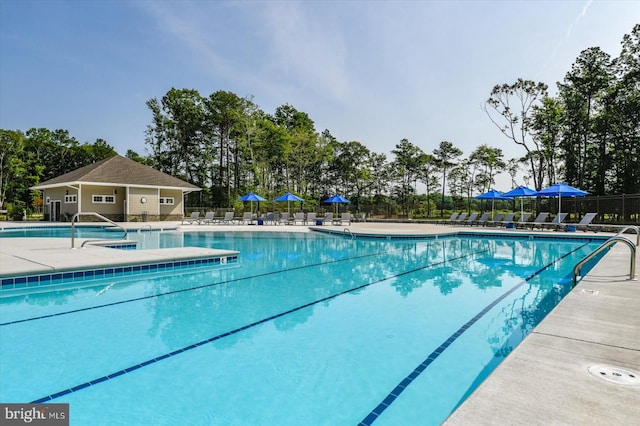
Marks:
<point>305,329</point>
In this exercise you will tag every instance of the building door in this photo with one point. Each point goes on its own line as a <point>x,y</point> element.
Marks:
<point>55,211</point>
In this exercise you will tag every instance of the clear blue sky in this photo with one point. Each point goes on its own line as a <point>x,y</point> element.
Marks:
<point>370,71</point>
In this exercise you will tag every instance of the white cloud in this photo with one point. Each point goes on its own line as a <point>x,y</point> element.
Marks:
<point>578,18</point>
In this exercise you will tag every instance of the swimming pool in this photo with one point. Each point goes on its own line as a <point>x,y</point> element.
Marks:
<point>305,329</point>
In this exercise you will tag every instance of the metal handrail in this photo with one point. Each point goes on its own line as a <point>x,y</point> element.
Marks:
<point>347,230</point>
<point>75,216</point>
<point>633,227</point>
<point>611,241</point>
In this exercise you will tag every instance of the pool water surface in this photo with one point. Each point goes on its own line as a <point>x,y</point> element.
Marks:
<point>306,328</point>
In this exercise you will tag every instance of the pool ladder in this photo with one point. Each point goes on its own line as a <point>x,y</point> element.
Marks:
<point>98,215</point>
<point>611,241</point>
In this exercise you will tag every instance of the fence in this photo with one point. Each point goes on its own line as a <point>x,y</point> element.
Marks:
<point>615,209</point>
<point>612,209</point>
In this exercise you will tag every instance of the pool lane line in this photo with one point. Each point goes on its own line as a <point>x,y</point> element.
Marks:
<point>182,290</point>
<point>237,330</point>
<point>395,393</point>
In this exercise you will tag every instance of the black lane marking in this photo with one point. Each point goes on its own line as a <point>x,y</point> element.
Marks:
<point>393,395</point>
<point>237,330</point>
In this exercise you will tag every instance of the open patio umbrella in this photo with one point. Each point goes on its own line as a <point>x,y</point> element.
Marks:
<point>252,197</point>
<point>521,192</point>
<point>559,190</point>
<point>288,197</point>
<point>492,195</point>
<point>336,199</point>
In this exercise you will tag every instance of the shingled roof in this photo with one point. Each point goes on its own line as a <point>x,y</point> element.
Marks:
<point>118,170</point>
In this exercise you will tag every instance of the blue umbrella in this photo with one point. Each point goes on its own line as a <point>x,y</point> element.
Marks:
<point>252,197</point>
<point>336,199</point>
<point>521,192</point>
<point>288,197</point>
<point>559,190</point>
<point>492,195</point>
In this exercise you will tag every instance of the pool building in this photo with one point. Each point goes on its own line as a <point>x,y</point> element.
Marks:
<point>118,188</point>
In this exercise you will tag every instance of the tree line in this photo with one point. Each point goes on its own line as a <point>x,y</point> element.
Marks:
<point>588,136</point>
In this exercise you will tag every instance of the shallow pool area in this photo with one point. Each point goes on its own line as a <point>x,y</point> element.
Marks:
<point>304,328</point>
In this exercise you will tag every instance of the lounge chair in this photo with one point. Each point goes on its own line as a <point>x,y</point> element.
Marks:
<point>483,219</point>
<point>538,221</point>
<point>496,220</point>
<point>283,218</point>
<point>298,217</point>
<point>459,219</point>
<point>584,224</point>
<point>207,219</point>
<point>311,218</point>
<point>270,217</point>
<point>524,217</point>
<point>556,222</point>
<point>328,217</point>
<point>471,219</point>
<point>195,216</point>
<point>344,217</point>
<point>453,217</point>
<point>508,220</point>
<point>247,218</point>
<point>228,218</point>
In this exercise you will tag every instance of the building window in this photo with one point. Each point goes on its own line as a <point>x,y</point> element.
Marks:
<point>105,199</point>
<point>70,199</point>
<point>167,201</point>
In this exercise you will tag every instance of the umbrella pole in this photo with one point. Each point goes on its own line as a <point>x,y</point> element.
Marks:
<point>559,203</point>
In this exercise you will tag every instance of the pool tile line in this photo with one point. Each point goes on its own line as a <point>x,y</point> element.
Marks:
<point>395,393</point>
<point>201,286</point>
<point>237,330</point>
<point>41,280</point>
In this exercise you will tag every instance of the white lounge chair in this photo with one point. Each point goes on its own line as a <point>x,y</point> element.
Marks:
<point>453,217</point>
<point>584,224</point>
<point>496,220</point>
<point>470,220</point>
<point>344,217</point>
<point>328,217</point>
<point>459,219</point>
<point>270,217</point>
<point>311,218</point>
<point>298,217</point>
<point>283,219</point>
<point>193,218</point>
<point>538,221</point>
<point>556,222</point>
<point>524,217</point>
<point>247,218</point>
<point>207,219</point>
<point>229,217</point>
<point>483,219</point>
<point>508,220</point>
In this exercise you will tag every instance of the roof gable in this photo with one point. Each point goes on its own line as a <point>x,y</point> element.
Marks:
<point>119,170</point>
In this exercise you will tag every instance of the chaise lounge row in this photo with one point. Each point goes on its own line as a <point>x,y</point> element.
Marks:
<point>270,218</point>
<point>508,221</point>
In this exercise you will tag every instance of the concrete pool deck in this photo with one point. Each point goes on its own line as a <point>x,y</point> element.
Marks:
<point>545,380</point>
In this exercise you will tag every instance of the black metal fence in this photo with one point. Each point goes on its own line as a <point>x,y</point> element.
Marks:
<point>611,209</point>
<point>614,209</point>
